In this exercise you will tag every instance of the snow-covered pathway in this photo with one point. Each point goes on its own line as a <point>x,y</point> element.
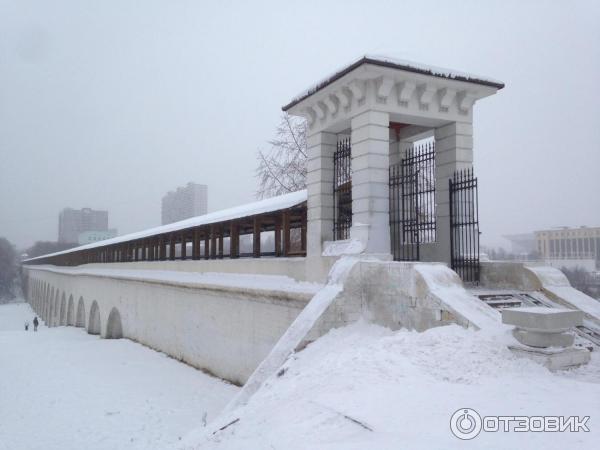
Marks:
<point>61,388</point>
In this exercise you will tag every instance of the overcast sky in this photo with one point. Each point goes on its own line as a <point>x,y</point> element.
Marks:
<point>110,104</point>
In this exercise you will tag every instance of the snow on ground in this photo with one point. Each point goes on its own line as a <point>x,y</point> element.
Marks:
<point>405,386</point>
<point>61,388</point>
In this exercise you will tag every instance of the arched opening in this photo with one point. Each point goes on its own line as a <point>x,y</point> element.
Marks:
<point>50,308</point>
<point>56,316</point>
<point>63,310</point>
<point>71,312</point>
<point>114,329</point>
<point>80,321</point>
<point>94,322</point>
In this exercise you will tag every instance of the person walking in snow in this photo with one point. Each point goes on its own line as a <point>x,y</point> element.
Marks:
<point>26,325</point>
<point>35,323</point>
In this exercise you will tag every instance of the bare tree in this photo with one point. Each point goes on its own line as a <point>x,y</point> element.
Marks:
<point>8,270</point>
<point>282,168</point>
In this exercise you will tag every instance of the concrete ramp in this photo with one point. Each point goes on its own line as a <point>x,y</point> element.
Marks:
<point>296,333</point>
<point>556,286</point>
<point>445,285</point>
<point>532,277</point>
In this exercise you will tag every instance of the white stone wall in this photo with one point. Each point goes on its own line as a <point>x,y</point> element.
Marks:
<point>226,333</point>
<point>228,330</point>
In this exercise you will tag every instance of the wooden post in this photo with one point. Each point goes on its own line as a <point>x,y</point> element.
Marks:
<point>256,237</point>
<point>206,243</point>
<point>277,236</point>
<point>286,232</point>
<point>196,244</point>
<point>172,246</point>
<point>303,232</point>
<point>183,246</point>
<point>213,242</point>
<point>221,238</point>
<point>163,249</point>
<point>144,251</point>
<point>234,240</point>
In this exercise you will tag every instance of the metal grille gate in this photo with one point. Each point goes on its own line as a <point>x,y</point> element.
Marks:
<point>342,190</point>
<point>464,225</point>
<point>412,202</point>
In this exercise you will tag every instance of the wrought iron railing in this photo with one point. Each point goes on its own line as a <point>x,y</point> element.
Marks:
<point>464,225</point>
<point>412,202</point>
<point>342,190</point>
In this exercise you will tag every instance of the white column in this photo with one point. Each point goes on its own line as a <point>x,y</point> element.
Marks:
<point>370,188</point>
<point>319,184</point>
<point>453,151</point>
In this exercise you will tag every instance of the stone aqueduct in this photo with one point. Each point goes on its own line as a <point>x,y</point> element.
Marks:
<point>59,307</point>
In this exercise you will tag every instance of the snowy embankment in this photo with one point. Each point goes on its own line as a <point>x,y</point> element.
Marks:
<point>61,388</point>
<point>365,387</point>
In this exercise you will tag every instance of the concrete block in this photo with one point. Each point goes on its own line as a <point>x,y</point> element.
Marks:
<point>451,156</point>
<point>542,319</point>
<point>370,117</point>
<point>366,161</point>
<point>317,163</point>
<point>320,187</point>
<point>321,139</point>
<point>454,128</point>
<point>371,146</point>
<point>368,132</point>
<point>316,176</point>
<point>554,359</point>
<point>457,141</point>
<point>371,175</point>
<point>370,205</point>
<point>366,190</point>
<point>543,339</point>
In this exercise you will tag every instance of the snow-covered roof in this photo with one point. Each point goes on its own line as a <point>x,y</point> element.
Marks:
<point>249,209</point>
<point>394,63</point>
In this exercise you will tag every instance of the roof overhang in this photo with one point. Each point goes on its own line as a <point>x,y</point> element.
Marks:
<point>435,94</point>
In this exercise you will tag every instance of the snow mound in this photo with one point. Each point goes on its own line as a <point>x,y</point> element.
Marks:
<point>366,387</point>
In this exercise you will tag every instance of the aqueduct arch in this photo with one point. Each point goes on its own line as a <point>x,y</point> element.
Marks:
<point>71,311</point>
<point>62,320</point>
<point>114,328</point>
<point>94,322</point>
<point>50,307</point>
<point>56,315</point>
<point>80,319</point>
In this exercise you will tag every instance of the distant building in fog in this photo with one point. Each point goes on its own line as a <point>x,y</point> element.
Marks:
<point>570,247</point>
<point>521,244</point>
<point>187,201</point>
<point>73,222</point>
<point>89,237</point>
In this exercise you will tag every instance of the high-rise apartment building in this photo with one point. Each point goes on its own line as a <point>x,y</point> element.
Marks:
<point>187,201</point>
<point>72,222</point>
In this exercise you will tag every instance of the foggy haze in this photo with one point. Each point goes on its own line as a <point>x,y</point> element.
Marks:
<point>111,104</point>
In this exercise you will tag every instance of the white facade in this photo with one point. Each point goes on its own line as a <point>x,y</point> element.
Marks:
<point>187,201</point>
<point>570,247</point>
